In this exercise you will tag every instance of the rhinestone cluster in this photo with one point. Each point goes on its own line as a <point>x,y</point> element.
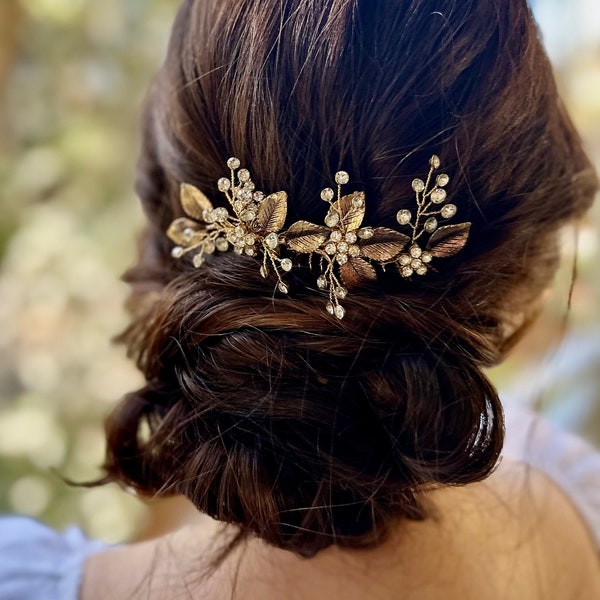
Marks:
<point>416,259</point>
<point>250,230</point>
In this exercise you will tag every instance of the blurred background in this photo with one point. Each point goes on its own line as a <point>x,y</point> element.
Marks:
<point>72,76</point>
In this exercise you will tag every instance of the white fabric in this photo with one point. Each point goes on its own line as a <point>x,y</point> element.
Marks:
<point>37,563</point>
<point>572,463</point>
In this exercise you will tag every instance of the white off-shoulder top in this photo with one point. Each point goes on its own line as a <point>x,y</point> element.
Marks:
<point>38,563</point>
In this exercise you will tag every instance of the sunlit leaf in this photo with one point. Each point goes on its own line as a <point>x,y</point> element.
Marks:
<point>272,212</point>
<point>351,209</point>
<point>306,237</point>
<point>385,244</point>
<point>357,271</point>
<point>193,201</point>
<point>183,232</point>
<point>449,240</point>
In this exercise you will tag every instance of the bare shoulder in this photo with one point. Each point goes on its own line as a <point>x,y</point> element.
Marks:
<point>515,535</point>
<point>526,529</point>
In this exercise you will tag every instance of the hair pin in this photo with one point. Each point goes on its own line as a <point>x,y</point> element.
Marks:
<point>347,249</point>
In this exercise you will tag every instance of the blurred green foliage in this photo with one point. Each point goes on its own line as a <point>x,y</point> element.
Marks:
<point>72,76</point>
<point>71,93</point>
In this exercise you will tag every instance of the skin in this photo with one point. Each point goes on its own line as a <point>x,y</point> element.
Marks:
<point>514,536</point>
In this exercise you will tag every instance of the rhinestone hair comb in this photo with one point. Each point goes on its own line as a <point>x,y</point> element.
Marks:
<point>347,249</point>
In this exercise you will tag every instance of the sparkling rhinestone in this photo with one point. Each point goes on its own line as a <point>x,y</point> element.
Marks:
<point>272,240</point>
<point>438,195</point>
<point>198,260</point>
<point>415,251</point>
<point>330,249</point>
<point>249,240</point>
<point>327,194</point>
<point>342,247</point>
<point>245,195</point>
<point>353,250</point>
<point>238,249</point>
<point>358,202</point>
<point>421,270</point>
<point>448,211</point>
<point>404,216</point>
<point>250,251</point>
<point>224,184</point>
<point>209,247</point>
<point>258,196</point>
<point>221,214</point>
<point>243,175</point>
<point>264,272</point>
<point>426,257</point>
<point>322,282</point>
<point>286,264</point>
<point>239,205</point>
<point>239,231</point>
<point>336,236</point>
<point>177,252</point>
<point>406,271</point>
<point>248,215</point>
<point>443,180</point>
<point>283,288</point>
<point>435,162</point>
<point>208,215</point>
<point>404,260</point>
<point>351,237</point>
<point>415,263</point>
<point>222,244</point>
<point>339,311</point>
<point>231,237</point>
<point>342,178</point>
<point>188,234</point>
<point>233,163</point>
<point>366,233</point>
<point>431,225</point>
<point>332,219</point>
<point>249,186</point>
<point>341,292</point>
<point>418,185</point>
<point>330,308</point>
<point>341,258</point>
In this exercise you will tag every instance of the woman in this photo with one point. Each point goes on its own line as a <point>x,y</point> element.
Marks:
<point>329,401</point>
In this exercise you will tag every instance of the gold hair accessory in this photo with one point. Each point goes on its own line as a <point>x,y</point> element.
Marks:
<point>346,248</point>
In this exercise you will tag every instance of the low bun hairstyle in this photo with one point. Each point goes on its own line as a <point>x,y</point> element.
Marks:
<point>265,411</point>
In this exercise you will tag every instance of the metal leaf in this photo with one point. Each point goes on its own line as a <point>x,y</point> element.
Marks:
<point>305,237</point>
<point>351,209</point>
<point>385,244</point>
<point>449,240</point>
<point>272,212</point>
<point>193,201</point>
<point>357,271</point>
<point>176,232</point>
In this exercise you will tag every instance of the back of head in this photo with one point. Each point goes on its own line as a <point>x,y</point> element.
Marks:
<point>262,409</point>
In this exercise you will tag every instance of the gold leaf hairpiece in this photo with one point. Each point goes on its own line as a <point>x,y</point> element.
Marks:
<point>347,249</point>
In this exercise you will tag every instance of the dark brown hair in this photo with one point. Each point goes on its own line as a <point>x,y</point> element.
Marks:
<point>262,409</point>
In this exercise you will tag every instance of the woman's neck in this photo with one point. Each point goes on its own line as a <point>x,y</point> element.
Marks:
<point>485,541</point>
